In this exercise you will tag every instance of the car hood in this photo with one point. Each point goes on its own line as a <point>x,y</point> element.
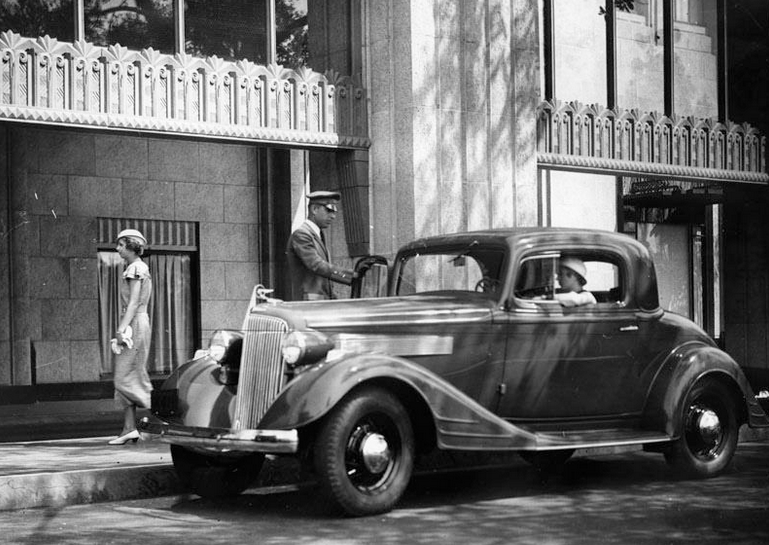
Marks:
<point>385,311</point>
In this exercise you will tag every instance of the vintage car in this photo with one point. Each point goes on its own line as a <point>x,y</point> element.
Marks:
<point>467,347</point>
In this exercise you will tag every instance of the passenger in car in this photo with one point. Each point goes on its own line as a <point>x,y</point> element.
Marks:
<point>571,277</point>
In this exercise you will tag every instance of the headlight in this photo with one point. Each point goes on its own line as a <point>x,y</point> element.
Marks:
<point>221,342</point>
<point>304,347</point>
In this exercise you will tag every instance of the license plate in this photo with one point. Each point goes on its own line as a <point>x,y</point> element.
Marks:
<point>165,402</point>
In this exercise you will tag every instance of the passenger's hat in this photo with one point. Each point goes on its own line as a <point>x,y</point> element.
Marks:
<point>132,233</point>
<point>575,265</point>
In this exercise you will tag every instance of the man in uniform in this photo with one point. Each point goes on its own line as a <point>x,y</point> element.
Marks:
<point>309,263</point>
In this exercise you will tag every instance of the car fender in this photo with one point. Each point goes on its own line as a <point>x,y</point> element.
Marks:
<point>460,422</point>
<point>683,367</point>
<point>214,402</point>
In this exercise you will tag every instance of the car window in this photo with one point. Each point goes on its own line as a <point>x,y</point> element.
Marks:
<point>597,275</point>
<point>451,270</point>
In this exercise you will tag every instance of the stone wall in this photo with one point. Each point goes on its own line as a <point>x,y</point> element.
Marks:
<point>61,181</point>
<point>453,89</point>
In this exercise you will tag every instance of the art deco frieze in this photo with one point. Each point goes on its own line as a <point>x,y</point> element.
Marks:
<point>575,136</point>
<point>47,81</point>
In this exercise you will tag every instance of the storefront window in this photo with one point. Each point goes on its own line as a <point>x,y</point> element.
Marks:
<point>54,18</point>
<point>136,24</point>
<point>229,29</point>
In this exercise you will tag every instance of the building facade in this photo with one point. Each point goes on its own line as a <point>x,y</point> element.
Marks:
<point>429,116</point>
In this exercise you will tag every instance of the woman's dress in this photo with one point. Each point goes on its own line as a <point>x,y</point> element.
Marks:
<point>132,382</point>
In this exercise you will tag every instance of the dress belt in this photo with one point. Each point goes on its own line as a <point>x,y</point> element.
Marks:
<point>141,309</point>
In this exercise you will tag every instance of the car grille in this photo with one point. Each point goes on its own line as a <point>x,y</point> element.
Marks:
<point>261,369</point>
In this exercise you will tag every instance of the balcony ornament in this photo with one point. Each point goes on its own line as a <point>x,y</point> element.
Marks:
<point>589,138</point>
<point>81,84</point>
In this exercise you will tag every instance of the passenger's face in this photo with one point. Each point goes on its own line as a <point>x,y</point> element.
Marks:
<point>568,279</point>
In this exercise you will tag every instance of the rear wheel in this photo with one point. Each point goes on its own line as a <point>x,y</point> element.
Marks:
<point>212,476</point>
<point>364,452</point>
<point>709,431</point>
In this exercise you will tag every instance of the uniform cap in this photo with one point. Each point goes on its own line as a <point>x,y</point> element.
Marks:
<point>576,265</point>
<point>132,233</point>
<point>324,197</point>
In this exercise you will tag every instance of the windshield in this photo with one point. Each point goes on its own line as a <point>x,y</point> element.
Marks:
<point>457,269</point>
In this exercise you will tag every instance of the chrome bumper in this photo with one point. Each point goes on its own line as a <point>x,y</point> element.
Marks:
<point>267,441</point>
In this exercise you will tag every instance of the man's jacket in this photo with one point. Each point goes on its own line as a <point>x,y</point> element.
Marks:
<point>309,267</point>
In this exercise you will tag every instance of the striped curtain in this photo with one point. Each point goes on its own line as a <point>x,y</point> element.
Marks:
<point>170,309</point>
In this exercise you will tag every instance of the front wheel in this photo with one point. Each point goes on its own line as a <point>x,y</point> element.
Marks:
<point>364,452</point>
<point>709,431</point>
<point>211,476</point>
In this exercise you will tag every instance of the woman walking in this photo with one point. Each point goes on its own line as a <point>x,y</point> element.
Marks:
<point>132,340</point>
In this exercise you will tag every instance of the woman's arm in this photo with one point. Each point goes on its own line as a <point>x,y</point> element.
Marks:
<point>135,286</point>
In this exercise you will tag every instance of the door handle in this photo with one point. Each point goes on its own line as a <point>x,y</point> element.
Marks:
<point>629,328</point>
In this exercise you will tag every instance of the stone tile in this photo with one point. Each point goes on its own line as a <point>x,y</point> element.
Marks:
<point>449,54</point>
<point>241,204</point>
<point>25,142</point>
<point>5,317</point>
<point>122,156</point>
<point>47,194</point>
<point>255,243</point>
<point>68,236</point>
<point>26,234</point>
<point>222,314</point>
<point>223,242</point>
<point>52,364</point>
<point>198,202</point>
<point>84,320</point>
<point>83,278</point>
<point>85,361</point>
<point>95,196</point>
<point>240,279</point>
<point>5,356</point>
<point>212,284</point>
<point>59,314</point>
<point>148,199</point>
<point>173,160</point>
<point>22,358</point>
<point>450,151</point>
<point>67,152</point>
<point>478,213</point>
<point>49,277</point>
<point>27,318</point>
<point>225,164</point>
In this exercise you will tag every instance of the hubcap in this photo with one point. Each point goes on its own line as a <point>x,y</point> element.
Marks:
<point>708,426</point>
<point>375,452</point>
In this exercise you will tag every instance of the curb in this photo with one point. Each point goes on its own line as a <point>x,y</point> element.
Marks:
<point>59,489</point>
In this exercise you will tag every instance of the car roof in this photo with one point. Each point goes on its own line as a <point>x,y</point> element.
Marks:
<point>550,234</point>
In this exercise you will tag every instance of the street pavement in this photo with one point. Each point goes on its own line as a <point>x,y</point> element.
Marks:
<point>62,472</point>
<point>627,498</point>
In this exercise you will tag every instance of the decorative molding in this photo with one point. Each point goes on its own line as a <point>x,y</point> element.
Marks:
<point>46,81</point>
<point>160,234</point>
<point>574,136</point>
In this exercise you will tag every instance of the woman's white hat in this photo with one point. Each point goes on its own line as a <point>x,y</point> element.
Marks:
<point>575,265</point>
<point>132,233</point>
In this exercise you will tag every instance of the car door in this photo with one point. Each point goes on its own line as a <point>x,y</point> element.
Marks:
<point>571,365</point>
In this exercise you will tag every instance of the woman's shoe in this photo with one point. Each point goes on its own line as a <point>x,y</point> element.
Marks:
<point>123,439</point>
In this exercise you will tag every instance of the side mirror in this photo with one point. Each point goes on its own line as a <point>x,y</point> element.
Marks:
<point>372,277</point>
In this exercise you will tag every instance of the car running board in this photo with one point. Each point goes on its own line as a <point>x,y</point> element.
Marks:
<point>597,438</point>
